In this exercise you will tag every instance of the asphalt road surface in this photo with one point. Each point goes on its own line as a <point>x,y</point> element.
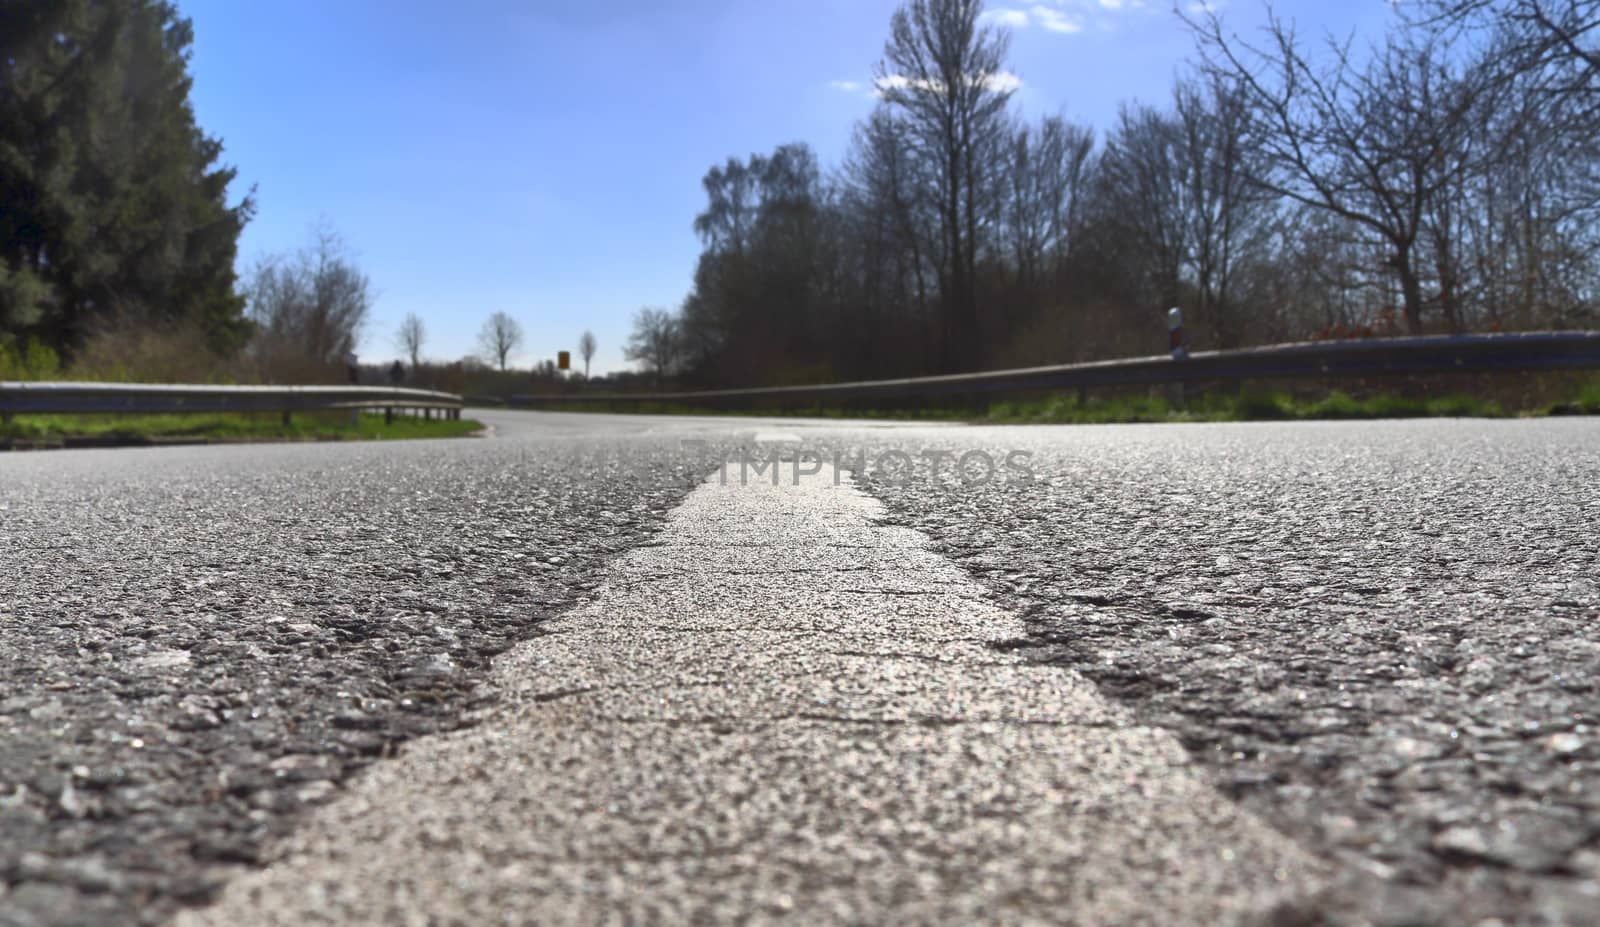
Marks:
<point>578,671</point>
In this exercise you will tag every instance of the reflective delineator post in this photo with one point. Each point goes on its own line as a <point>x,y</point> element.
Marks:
<point>1179,351</point>
<point>1175,334</point>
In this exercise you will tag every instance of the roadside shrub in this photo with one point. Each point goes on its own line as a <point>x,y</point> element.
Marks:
<point>134,353</point>
<point>1464,407</point>
<point>1263,406</point>
<point>30,360</point>
<point>1588,399</point>
<point>1389,406</point>
<point>288,367</point>
<point>1336,404</point>
<point>1126,409</point>
<point>1060,408</point>
<point>1006,410</point>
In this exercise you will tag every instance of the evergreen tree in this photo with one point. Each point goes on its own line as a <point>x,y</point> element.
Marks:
<point>113,207</point>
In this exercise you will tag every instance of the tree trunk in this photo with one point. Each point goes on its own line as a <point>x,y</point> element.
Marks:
<point>1410,290</point>
<point>955,283</point>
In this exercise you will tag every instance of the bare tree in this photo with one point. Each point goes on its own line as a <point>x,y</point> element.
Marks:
<point>888,194</point>
<point>1374,144</point>
<point>1533,35</point>
<point>944,74</point>
<point>586,348</point>
<point>499,336</point>
<point>1227,212</point>
<point>1142,196</point>
<point>1446,175</point>
<point>1026,214</point>
<point>1516,241</point>
<point>309,308</point>
<point>1061,160</point>
<point>656,342</point>
<point>410,337</point>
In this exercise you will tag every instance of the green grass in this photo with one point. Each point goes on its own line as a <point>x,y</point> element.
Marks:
<point>1240,408</point>
<point>1586,402</point>
<point>320,426</point>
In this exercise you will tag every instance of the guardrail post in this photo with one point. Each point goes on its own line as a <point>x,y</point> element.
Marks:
<point>288,418</point>
<point>388,415</point>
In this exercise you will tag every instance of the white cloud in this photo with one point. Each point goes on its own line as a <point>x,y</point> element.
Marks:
<point>1003,82</point>
<point>1054,20</point>
<point>999,82</point>
<point>1016,19</point>
<point>1068,17</point>
<point>848,86</point>
<point>888,82</point>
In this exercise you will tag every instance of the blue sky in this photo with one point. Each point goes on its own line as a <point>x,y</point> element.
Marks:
<point>544,159</point>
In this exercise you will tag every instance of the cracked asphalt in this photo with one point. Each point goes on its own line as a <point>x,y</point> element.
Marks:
<point>1371,645</point>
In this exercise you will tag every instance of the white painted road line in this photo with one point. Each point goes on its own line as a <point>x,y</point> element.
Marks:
<point>782,710</point>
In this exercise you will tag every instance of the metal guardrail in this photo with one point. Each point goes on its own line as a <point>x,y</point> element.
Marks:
<point>159,399</point>
<point>1533,351</point>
